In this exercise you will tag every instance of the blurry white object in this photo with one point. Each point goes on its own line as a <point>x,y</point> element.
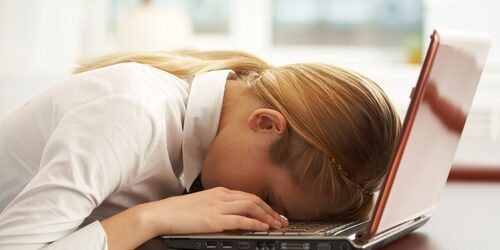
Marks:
<point>154,27</point>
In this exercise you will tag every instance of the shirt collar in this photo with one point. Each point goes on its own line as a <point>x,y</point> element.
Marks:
<point>201,121</point>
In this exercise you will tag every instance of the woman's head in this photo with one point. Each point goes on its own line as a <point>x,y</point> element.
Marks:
<point>342,131</point>
<point>311,129</point>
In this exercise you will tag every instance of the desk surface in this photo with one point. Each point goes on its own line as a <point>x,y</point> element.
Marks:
<point>468,217</point>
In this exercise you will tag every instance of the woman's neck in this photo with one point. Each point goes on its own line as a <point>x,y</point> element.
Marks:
<point>238,103</point>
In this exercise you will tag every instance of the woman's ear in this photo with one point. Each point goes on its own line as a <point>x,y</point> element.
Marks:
<point>267,121</point>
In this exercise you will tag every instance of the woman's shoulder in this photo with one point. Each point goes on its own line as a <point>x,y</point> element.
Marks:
<point>133,77</point>
<point>149,85</point>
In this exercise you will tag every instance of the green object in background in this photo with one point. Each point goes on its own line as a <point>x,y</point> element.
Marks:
<point>413,48</point>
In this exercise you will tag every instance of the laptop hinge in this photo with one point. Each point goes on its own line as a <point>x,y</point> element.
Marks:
<point>392,233</point>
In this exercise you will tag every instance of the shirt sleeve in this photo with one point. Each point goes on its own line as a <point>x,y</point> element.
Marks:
<point>95,150</point>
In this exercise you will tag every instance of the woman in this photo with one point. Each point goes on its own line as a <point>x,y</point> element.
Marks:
<point>101,160</point>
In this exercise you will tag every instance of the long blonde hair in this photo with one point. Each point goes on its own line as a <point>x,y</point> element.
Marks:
<point>343,128</point>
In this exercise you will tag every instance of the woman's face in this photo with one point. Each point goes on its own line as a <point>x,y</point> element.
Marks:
<point>239,159</point>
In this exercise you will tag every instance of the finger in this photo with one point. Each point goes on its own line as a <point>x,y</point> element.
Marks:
<point>251,209</point>
<point>238,222</point>
<point>240,195</point>
<point>284,220</point>
<point>229,195</point>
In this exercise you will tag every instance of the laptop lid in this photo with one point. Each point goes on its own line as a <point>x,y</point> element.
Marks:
<point>432,128</point>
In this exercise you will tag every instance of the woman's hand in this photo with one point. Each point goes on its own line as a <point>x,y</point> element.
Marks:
<point>214,210</point>
<point>210,211</point>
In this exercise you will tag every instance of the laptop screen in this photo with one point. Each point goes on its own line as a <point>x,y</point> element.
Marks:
<point>432,127</point>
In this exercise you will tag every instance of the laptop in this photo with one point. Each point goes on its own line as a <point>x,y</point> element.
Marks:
<point>421,162</point>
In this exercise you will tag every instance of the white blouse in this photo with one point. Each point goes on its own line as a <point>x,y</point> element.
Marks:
<point>98,143</point>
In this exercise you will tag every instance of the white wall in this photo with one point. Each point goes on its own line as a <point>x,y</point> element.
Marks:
<point>478,15</point>
<point>39,35</point>
<point>40,40</point>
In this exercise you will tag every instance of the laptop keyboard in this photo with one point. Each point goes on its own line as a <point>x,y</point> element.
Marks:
<point>304,228</point>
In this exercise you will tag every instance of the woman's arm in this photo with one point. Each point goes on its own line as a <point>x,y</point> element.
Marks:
<point>209,211</point>
<point>129,229</point>
<point>95,149</point>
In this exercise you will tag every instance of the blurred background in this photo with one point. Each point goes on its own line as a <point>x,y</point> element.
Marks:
<point>383,39</point>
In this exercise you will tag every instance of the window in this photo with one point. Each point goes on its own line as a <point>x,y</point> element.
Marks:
<point>209,16</point>
<point>348,22</point>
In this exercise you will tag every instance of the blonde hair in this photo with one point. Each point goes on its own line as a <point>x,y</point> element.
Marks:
<point>342,127</point>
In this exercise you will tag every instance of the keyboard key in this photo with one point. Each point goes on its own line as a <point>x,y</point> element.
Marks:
<point>261,233</point>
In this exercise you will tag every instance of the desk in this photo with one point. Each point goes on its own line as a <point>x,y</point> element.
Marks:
<point>468,217</point>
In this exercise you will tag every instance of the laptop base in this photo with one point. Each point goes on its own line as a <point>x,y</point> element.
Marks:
<point>335,242</point>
